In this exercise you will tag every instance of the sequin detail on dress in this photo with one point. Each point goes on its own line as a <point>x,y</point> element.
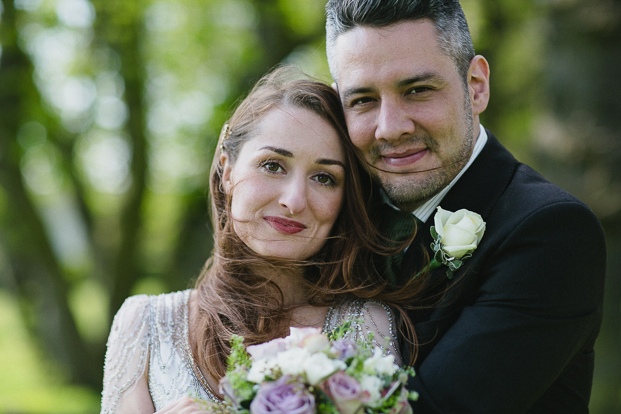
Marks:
<point>365,316</point>
<point>156,329</point>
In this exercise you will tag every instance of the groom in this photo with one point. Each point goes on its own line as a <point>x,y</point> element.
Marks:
<point>515,327</point>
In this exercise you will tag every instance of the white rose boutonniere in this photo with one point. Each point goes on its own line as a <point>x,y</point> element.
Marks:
<point>456,235</point>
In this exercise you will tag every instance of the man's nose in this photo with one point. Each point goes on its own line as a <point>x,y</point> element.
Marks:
<point>393,121</point>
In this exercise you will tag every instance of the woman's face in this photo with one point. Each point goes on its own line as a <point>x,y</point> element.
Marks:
<point>287,184</point>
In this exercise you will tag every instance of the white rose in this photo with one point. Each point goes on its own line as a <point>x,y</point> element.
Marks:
<point>297,335</point>
<point>319,366</point>
<point>372,385</point>
<point>315,343</point>
<point>460,231</point>
<point>291,361</point>
<point>259,370</point>
<point>380,364</point>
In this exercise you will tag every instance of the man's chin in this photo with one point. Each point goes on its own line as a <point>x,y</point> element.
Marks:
<point>408,195</point>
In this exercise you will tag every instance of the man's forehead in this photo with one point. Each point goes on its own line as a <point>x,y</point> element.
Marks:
<point>409,32</point>
<point>404,50</point>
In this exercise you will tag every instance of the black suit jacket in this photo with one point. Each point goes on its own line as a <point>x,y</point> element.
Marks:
<point>515,329</point>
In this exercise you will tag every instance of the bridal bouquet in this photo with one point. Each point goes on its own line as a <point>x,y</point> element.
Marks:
<point>309,372</point>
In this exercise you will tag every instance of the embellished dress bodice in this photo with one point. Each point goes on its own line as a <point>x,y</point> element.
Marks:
<point>152,333</point>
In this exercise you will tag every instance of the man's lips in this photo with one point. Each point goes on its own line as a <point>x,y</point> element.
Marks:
<point>285,225</point>
<point>401,159</point>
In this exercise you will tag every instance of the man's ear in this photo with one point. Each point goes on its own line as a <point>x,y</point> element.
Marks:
<point>226,173</point>
<point>478,84</point>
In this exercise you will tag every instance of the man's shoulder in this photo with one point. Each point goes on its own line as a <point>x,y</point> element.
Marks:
<point>533,189</point>
<point>500,188</point>
<point>527,190</point>
<point>526,194</point>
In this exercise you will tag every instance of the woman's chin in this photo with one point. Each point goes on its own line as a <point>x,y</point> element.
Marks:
<point>286,250</point>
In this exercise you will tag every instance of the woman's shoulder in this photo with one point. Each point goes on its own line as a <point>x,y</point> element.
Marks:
<point>136,311</point>
<point>139,303</point>
<point>358,309</point>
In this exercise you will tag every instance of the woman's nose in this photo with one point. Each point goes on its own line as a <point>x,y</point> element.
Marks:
<point>293,196</point>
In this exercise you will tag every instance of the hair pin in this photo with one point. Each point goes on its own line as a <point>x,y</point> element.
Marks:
<point>225,133</point>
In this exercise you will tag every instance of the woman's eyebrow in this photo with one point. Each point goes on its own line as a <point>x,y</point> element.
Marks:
<point>289,154</point>
<point>280,151</point>
<point>328,161</point>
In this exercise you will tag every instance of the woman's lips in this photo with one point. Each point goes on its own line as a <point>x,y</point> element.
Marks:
<point>285,225</point>
<point>405,158</point>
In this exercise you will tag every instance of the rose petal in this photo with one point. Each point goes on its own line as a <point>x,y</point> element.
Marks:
<point>480,231</point>
<point>440,219</point>
<point>467,223</point>
<point>455,217</point>
<point>456,236</point>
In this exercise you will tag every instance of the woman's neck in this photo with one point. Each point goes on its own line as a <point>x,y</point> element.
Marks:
<point>290,282</point>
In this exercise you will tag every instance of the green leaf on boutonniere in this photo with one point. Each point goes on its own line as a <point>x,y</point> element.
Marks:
<point>434,233</point>
<point>438,256</point>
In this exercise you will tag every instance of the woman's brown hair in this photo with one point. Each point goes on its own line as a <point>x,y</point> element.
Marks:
<point>232,298</point>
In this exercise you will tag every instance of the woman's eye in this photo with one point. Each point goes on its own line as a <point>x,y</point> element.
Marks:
<point>324,179</point>
<point>272,166</point>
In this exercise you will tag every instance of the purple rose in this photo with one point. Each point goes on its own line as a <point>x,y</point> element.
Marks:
<point>283,397</point>
<point>267,349</point>
<point>344,348</point>
<point>345,392</point>
<point>343,387</point>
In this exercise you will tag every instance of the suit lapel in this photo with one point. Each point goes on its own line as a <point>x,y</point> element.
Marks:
<point>478,190</point>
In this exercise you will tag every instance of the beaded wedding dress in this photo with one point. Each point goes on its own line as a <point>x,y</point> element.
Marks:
<point>152,332</point>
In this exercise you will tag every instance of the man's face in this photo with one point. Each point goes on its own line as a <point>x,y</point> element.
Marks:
<point>406,108</point>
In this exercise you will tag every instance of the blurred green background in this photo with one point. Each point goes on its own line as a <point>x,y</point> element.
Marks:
<point>109,113</point>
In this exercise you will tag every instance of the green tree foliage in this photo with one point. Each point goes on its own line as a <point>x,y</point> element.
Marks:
<point>110,110</point>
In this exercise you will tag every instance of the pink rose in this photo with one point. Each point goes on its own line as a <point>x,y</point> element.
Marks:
<point>226,388</point>
<point>403,405</point>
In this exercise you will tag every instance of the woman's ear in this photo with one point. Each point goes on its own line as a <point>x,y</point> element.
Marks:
<point>226,173</point>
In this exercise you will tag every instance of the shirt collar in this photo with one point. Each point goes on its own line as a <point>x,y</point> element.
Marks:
<point>426,209</point>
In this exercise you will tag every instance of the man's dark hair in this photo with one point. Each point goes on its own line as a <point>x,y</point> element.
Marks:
<point>446,15</point>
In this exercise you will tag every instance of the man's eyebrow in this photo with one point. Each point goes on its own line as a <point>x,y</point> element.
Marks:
<point>348,93</point>
<point>424,77</point>
<point>327,161</point>
<point>277,150</point>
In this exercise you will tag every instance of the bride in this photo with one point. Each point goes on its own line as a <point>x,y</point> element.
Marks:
<point>294,246</point>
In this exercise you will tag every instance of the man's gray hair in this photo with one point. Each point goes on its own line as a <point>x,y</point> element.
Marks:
<point>446,15</point>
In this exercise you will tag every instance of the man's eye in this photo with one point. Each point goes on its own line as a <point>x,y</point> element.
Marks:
<point>360,101</point>
<point>419,89</point>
